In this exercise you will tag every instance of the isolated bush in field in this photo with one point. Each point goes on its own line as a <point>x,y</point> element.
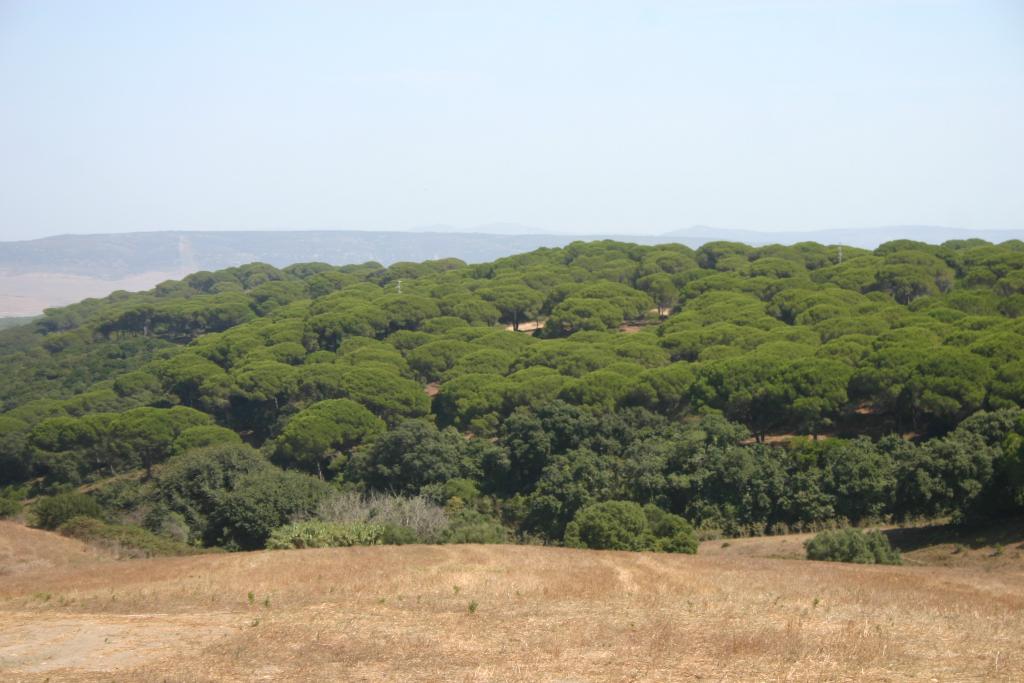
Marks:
<point>625,525</point>
<point>52,511</point>
<point>124,539</point>
<point>426,519</point>
<point>317,534</point>
<point>852,545</point>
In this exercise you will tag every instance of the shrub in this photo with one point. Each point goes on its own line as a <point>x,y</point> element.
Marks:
<point>10,500</point>
<point>261,502</point>
<point>394,534</point>
<point>124,539</point>
<point>465,490</point>
<point>193,485</point>
<point>410,456</point>
<point>9,507</point>
<point>612,525</point>
<point>165,522</point>
<point>415,519</point>
<point>317,534</point>
<point>624,525</point>
<point>426,520</point>
<point>121,494</point>
<point>469,526</point>
<point>672,533</point>
<point>852,545</point>
<point>52,511</point>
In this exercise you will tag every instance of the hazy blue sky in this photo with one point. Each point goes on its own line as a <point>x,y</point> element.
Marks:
<point>577,116</point>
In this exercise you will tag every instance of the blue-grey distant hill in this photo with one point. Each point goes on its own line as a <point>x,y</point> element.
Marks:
<point>115,256</point>
<point>867,238</point>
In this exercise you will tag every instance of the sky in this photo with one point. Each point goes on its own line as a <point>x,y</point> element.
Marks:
<point>627,117</point>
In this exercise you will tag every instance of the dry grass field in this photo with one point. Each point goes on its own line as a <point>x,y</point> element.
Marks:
<point>497,613</point>
<point>994,548</point>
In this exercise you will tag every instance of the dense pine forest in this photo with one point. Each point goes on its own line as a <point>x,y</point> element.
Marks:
<point>731,389</point>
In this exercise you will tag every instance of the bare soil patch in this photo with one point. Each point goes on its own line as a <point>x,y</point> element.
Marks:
<point>527,326</point>
<point>44,644</point>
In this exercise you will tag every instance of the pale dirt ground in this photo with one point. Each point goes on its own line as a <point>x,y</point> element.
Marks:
<point>527,326</point>
<point>542,614</point>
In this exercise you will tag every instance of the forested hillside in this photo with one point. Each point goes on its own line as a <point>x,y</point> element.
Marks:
<point>745,390</point>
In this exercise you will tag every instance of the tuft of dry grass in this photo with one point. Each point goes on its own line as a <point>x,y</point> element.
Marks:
<point>541,614</point>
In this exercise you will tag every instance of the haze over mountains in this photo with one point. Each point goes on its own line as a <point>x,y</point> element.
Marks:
<point>53,271</point>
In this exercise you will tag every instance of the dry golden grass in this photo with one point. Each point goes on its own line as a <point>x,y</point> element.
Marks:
<point>541,614</point>
<point>29,550</point>
<point>997,547</point>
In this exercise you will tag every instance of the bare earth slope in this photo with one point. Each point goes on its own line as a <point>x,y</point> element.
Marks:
<point>505,613</point>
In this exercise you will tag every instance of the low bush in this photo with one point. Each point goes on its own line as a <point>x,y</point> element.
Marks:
<point>194,484</point>
<point>52,511</point>
<point>625,525</point>
<point>852,545</point>
<point>672,533</point>
<point>10,500</point>
<point>121,494</point>
<point>124,539</point>
<point>9,507</point>
<point>470,526</point>
<point>612,525</point>
<point>415,519</point>
<point>394,534</point>
<point>425,519</point>
<point>261,502</point>
<point>318,534</point>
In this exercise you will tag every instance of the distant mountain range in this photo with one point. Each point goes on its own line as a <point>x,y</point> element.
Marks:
<point>53,271</point>
<point>867,238</point>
